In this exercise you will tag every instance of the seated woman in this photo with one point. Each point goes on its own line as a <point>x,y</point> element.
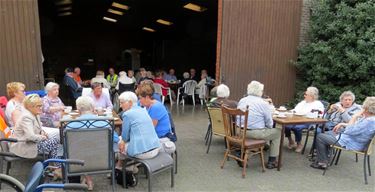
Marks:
<point>28,130</point>
<point>357,134</point>
<point>85,106</point>
<point>16,93</point>
<point>222,93</point>
<point>52,106</point>
<point>342,112</point>
<point>159,80</point>
<point>101,100</point>
<point>158,114</point>
<point>139,138</point>
<point>304,107</point>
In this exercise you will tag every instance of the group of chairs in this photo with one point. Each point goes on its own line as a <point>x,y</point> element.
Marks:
<point>99,156</point>
<point>225,122</point>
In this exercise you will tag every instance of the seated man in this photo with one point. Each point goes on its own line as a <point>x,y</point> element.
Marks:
<point>357,134</point>
<point>74,87</point>
<point>260,121</point>
<point>101,100</point>
<point>170,76</point>
<point>342,111</point>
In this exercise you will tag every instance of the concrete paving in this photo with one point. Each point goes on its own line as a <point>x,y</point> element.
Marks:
<point>198,171</point>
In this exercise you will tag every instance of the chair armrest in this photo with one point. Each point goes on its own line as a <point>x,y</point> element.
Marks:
<point>66,161</point>
<point>66,186</point>
<point>8,154</point>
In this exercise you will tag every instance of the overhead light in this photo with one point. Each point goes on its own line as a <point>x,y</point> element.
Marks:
<point>65,8</point>
<point>148,29</point>
<point>115,12</point>
<point>65,13</point>
<point>164,22</point>
<point>109,19</point>
<point>63,2</point>
<point>120,6</point>
<point>194,7</point>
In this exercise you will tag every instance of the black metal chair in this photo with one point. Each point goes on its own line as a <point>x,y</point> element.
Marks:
<point>366,156</point>
<point>91,143</point>
<point>125,87</point>
<point>162,162</point>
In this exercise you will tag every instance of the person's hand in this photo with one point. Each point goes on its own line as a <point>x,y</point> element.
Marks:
<point>121,146</point>
<point>268,100</point>
<point>337,128</point>
<point>340,109</point>
<point>333,107</point>
<point>44,137</point>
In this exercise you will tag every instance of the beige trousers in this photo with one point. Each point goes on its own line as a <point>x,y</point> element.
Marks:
<point>268,134</point>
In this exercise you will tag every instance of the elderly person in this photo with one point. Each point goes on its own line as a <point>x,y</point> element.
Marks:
<point>77,75</point>
<point>85,106</point>
<point>131,75</point>
<point>158,114</point>
<point>342,112</point>
<point>101,100</point>
<point>170,76</point>
<point>222,93</point>
<point>259,125</point>
<point>139,138</point>
<point>16,93</point>
<point>308,105</point>
<point>356,134</point>
<point>74,87</point>
<point>159,80</point>
<point>112,77</point>
<point>52,106</point>
<point>28,130</point>
<point>99,78</point>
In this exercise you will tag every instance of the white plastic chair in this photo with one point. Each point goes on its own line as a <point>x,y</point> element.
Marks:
<point>189,90</point>
<point>159,89</point>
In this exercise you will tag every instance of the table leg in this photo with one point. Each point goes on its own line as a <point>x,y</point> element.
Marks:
<point>281,147</point>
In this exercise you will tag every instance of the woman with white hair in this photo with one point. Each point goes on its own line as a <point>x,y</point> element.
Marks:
<point>260,123</point>
<point>222,92</point>
<point>308,105</point>
<point>356,135</point>
<point>342,112</point>
<point>52,106</point>
<point>139,138</point>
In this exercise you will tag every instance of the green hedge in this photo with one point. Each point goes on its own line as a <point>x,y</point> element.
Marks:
<point>341,52</point>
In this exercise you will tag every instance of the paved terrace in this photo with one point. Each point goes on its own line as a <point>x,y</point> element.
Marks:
<point>198,171</point>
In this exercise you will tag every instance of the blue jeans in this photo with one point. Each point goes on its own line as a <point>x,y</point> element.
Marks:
<point>297,130</point>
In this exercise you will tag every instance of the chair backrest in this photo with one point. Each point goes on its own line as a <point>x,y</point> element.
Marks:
<point>217,122</point>
<point>326,105</point>
<point>3,144</point>
<point>370,146</point>
<point>35,177</point>
<point>125,87</point>
<point>189,87</point>
<point>94,145</point>
<point>158,88</point>
<point>235,130</point>
<point>86,91</point>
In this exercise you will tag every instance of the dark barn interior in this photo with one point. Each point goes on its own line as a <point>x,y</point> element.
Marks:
<point>74,33</point>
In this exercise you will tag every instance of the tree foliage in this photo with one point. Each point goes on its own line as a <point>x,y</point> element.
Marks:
<point>341,52</point>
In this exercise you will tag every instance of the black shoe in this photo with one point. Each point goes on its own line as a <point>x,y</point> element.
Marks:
<point>271,164</point>
<point>266,147</point>
<point>318,166</point>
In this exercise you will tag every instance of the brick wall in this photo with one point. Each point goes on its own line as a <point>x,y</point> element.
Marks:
<point>305,22</point>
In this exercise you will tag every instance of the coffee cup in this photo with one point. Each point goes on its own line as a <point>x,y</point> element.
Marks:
<point>67,109</point>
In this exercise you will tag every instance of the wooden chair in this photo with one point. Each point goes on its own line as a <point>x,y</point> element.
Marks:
<point>366,156</point>
<point>216,125</point>
<point>235,133</point>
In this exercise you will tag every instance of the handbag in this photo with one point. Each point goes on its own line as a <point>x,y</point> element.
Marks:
<point>131,178</point>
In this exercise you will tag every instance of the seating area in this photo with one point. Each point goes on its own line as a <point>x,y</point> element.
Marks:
<point>200,171</point>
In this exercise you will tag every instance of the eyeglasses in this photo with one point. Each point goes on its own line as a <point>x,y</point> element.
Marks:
<point>38,106</point>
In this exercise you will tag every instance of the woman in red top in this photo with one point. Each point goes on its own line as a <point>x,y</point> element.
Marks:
<point>159,79</point>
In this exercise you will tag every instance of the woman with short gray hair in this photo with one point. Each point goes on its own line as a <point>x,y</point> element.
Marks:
<point>255,88</point>
<point>308,105</point>
<point>222,92</point>
<point>85,104</point>
<point>52,106</point>
<point>342,112</point>
<point>357,134</point>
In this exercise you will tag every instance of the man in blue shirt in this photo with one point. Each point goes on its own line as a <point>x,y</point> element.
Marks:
<point>259,125</point>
